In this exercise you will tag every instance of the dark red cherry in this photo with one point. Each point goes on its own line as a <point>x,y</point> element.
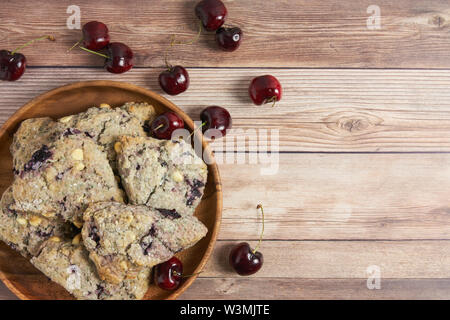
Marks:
<point>165,124</point>
<point>168,275</point>
<point>12,65</point>
<point>244,261</point>
<point>229,39</point>
<point>120,58</point>
<point>175,80</point>
<point>215,117</point>
<point>95,35</point>
<point>265,89</point>
<point>212,14</point>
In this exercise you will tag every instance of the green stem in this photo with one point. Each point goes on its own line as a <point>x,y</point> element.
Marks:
<point>95,52</point>
<point>79,41</point>
<point>49,37</point>
<point>196,129</point>
<point>259,206</point>
<point>175,273</point>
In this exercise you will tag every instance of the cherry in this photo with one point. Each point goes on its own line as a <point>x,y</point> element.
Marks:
<point>212,14</point>
<point>265,89</point>
<point>95,35</point>
<point>217,118</point>
<point>118,57</point>
<point>175,80</point>
<point>165,124</point>
<point>243,259</point>
<point>229,39</point>
<point>168,275</point>
<point>13,64</point>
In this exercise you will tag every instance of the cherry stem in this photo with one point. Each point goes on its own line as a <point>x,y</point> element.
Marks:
<point>158,127</point>
<point>173,42</point>
<point>95,52</point>
<point>49,37</point>
<point>259,206</point>
<point>79,41</point>
<point>196,129</point>
<point>176,273</point>
<point>273,99</point>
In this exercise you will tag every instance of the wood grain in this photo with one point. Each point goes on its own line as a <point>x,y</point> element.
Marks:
<point>341,259</point>
<point>294,33</point>
<point>295,289</point>
<point>340,196</point>
<point>322,110</point>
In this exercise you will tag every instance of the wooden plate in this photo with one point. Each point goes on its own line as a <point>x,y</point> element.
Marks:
<point>15,271</point>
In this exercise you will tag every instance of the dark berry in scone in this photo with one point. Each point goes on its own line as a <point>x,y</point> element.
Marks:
<point>123,239</point>
<point>61,179</point>
<point>161,174</point>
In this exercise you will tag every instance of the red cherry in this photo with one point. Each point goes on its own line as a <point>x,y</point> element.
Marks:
<point>229,39</point>
<point>120,58</point>
<point>244,261</point>
<point>164,125</point>
<point>217,118</point>
<point>175,80</point>
<point>265,89</point>
<point>12,65</point>
<point>168,275</point>
<point>212,14</point>
<point>95,35</point>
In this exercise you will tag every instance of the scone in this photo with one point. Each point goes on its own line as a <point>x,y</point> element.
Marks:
<point>68,265</point>
<point>123,239</point>
<point>27,232</point>
<point>30,137</point>
<point>161,174</point>
<point>104,124</point>
<point>61,179</point>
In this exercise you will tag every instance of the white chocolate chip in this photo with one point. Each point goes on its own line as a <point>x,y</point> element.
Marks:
<point>124,265</point>
<point>49,214</point>
<point>77,154</point>
<point>177,176</point>
<point>79,166</point>
<point>35,221</point>
<point>78,224</point>
<point>55,239</point>
<point>65,119</point>
<point>118,147</point>
<point>105,105</point>
<point>22,221</point>
<point>77,239</point>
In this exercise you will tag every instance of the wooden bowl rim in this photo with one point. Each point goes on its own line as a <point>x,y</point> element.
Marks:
<point>213,168</point>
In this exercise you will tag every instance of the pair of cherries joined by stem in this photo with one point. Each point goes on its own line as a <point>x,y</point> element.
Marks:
<point>119,58</point>
<point>244,260</point>
<point>13,63</point>
<point>212,14</point>
<point>213,117</point>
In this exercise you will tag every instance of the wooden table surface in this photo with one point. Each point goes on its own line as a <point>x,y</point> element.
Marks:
<point>364,132</point>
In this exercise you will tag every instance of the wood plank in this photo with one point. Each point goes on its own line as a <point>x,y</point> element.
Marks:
<point>296,33</point>
<point>322,110</point>
<point>297,289</point>
<point>341,260</point>
<point>329,270</point>
<point>335,196</point>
